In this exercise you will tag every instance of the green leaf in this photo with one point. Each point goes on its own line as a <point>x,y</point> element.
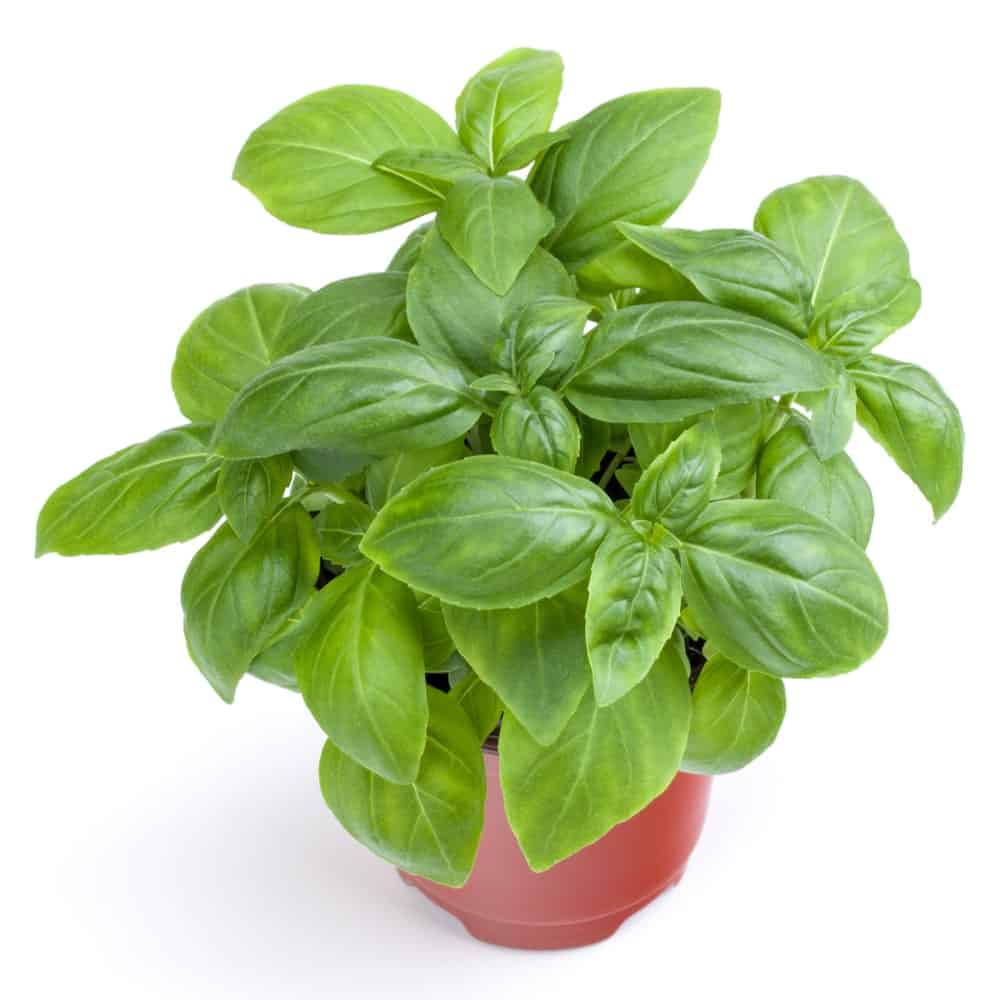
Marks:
<point>778,590</point>
<point>833,414</point>
<point>544,342</point>
<point>341,526</point>
<point>370,305</point>
<point>406,256</point>
<point>311,165</point>
<point>633,159</point>
<point>632,608</point>
<point>229,343</point>
<point>663,362</point>
<point>626,266</point>
<point>791,471</point>
<point>494,225</point>
<point>480,703</point>
<point>678,485</point>
<point>537,427</point>
<point>434,170</point>
<point>904,408</point>
<point>521,154</point>
<point>438,643</point>
<point>453,313</point>
<point>740,429</point>
<point>735,717</point>
<point>852,328</point>
<point>237,595</point>
<point>249,489</point>
<point>523,532</point>
<point>430,827</point>
<point>372,394</point>
<point>507,102</point>
<point>841,234</point>
<point>495,383</point>
<point>610,763</point>
<point>733,268</point>
<point>325,465</point>
<point>386,477</point>
<point>595,442</point>
<point>275,663</point>
<point>360,666</point>
<point>143,497</point>
<point>534,657</point>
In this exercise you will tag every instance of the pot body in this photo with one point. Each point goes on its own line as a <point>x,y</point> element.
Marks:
<point>585,898</point>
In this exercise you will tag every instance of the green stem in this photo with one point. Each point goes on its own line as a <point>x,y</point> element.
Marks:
<point>612,465</point>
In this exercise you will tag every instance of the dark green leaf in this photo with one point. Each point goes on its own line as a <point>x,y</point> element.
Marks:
<point>341,527</point>
<point>386,477</point>
<point>311,165</point>
<point>430,827</point>
<point>406,256</point>
<point>545,341</point>
<point>480,703</point>
<point>360,667</point>
<point>833,413</point>
<point>537,427</point>
<point>143,497</point>
<point>491,532</point>
<point>595,441</point>
<point>249,489</point>
<point>434,170</point>
<point>324,465</point>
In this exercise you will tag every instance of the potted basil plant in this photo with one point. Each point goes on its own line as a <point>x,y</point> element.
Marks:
<point>558,473</point>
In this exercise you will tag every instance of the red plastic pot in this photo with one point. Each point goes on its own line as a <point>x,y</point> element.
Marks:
<point>585,898</point>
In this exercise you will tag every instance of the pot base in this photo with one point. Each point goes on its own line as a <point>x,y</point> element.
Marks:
<point>543,937</point>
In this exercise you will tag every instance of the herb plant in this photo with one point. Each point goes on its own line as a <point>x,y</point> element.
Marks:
<point>557,463</point>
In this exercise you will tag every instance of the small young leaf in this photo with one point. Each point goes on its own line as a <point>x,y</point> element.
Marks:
<point>341,526</point>
<point>480,703</point>
<point>434,170</point>
<point>529,149</point>
<point>833,414</point>
<point>537,427</point>
<point>544,342</point>
<point>249,489</point>
<point>495,383</point>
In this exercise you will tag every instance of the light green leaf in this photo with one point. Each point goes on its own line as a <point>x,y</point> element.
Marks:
<point>494,225</point>
<point>610,763</point>
<point>537,427</point>
<point>491,532</point>
<point>778,590</point>
<point>386,477</point>
<point>480,703</point>
<point>626,267</point>
<point>833,414</point>
<point>529,149</point>
<point>678,485</point>
<point>904,408</point>
<point>507,102</point>
<point>791,471</point>
<point>360,667</point>
<point>430,827</point>
<point>544,342</point>
<point>143,497</point>
<point>495,383</point>
<point>236,596</point>
<point>229,343</point>
<point>311,165</point>
<point>733,268</point>
<point>406,256</point>
<point>534,657</point>
<point>453,313</point>
<point>434,170</point>
<point>649,364</point>
<point>735,717</point>
<point>632,608</point>
<point>633,159</point>
<point>372,394</point>
<point>341,526</point>
<point>275,663</point>
<point>370,305</point>
<point>249,489</point>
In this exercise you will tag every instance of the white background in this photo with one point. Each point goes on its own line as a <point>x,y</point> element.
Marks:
<point>157,843</point>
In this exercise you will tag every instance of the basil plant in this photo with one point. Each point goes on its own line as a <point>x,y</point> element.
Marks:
<point>557,463</point>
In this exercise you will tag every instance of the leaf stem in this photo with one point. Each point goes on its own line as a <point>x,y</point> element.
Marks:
<point>612,465</point>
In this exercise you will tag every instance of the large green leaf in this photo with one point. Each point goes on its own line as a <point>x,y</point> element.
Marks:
<point>311,164</point>
<point>539,427</point>
<point>733,268</point>
<point>840,233</point>
<point>677,486</point>
<point>790,470</point>
<point>367,395</point>
<point>386,477</point>
<point>633,159</point>
<point>229,343</point>
<point>370,305</point>
<point>360,667</point>
<point>250,488</point>
<point>634,598</point>
<point>491,532</point>
<point>905,409</point>
<point>834,411</point>
<point>147,495</point>
<point>507,102</point>
<point>237,595</point>
<point>740,429</point>
<point>664,362</point>
<point>453,313</point>
<point>735,717</point>
<point>534,657</point>
<point>431,826</point>
<point>610,763</point>
<point>779,590</point>
<point>494,225</point>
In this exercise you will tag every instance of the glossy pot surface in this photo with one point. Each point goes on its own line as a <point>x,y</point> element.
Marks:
<point>586,897</point>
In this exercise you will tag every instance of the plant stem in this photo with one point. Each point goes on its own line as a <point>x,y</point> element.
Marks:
<point>612,465</point>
